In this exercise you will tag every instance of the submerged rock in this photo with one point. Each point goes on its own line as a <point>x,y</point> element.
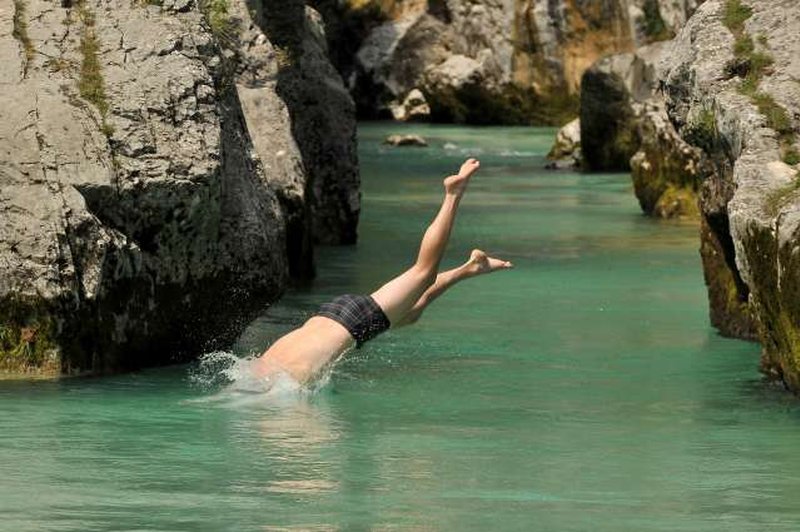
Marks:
<point>405,140</point>
<point>143,186</point>
<point>732,92</point>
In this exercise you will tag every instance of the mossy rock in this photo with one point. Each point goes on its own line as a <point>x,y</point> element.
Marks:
<point>729,306</point>
<point>776,272</point>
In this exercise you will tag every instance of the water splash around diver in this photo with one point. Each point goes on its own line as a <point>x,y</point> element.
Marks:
<point>230,380</point>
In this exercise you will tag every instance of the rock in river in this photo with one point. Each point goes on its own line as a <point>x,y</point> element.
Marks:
<point>406,140</point>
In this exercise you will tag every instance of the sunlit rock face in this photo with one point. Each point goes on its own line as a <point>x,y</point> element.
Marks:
<point>625,127</point>
<point>157,186</point>
<point>493,61</point>
<point>731,90</point>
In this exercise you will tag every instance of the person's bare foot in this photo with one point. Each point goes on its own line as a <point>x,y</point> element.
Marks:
<point>456,184</point>
<point>480,263</point>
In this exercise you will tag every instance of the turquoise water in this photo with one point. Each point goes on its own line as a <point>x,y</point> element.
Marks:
<point>583,390</point>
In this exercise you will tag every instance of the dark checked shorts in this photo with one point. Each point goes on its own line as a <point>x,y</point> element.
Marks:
<point>360,315</point>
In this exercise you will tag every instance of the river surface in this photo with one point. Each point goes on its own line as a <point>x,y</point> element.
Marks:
<point>583,390</point>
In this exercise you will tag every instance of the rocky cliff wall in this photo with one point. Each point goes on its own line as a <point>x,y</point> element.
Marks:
<point>624,127</point>
<point>492,61</point>
<point>155,185</point>
<point>732,91</point>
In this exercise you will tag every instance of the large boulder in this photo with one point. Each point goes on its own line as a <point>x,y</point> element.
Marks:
<point>566,150</point>
<point>143,217</point>
<point>612,91</point>
<point>665,169</point>
<point>732,92</point>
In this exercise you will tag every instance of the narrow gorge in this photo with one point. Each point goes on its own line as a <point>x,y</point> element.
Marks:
<point>167,163</point>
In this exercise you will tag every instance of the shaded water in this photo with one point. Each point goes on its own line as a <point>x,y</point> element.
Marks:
<point>583,390</point>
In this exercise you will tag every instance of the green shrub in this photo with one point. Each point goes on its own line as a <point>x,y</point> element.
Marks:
<point>20,31</point>
<point>216,14</point>
<point>735,15</point>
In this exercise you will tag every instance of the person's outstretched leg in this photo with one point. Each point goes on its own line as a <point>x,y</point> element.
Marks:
<point>478,264</point>
<point>398,296</point>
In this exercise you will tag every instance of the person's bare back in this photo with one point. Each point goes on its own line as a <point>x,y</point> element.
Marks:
<point>351,320</point>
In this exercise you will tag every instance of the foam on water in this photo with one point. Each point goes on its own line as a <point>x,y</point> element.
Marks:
<point>231,381</point>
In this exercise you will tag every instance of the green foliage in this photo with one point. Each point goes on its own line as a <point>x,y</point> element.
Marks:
<point>735,15</point>
<point>743,46</point>
<point>654,26</point>
<point>776,116</point>
<point>778,198</point>
<point>791,156</point>
<point>90,83</point>
<point>216,14</point>
<point>20,31</point>
<point>752,65</point>
<point>26,336</point>
<point>759,63</point>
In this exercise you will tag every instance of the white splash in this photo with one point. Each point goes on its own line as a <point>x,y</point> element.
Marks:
<point>232,381</point>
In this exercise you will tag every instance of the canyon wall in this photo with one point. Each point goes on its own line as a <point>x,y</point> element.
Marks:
<point>158,181</point>
<point>732,90</point>
<point>495,61</point>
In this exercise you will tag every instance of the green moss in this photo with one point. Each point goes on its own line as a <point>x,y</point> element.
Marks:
<point>735,15</point>
<point>216,13</point>
<point>677,202</point>
<point>27,337</point>
<point>791,156</point>
<point>20,32</point>
<point>752,65</point>
<point>702,131</point>
<point>511,104</point>
<point>777,301</point>
<point>780,197</point>
<point>776,116</point>
<point>743,46</point>
<point>90,82</point>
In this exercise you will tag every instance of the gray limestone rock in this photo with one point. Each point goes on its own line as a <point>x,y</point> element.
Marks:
<point>414,107</point>
<point>322,116</point>
<point>749,201</point>
<point>612,93</point>
<point>406,140</point>
<point>143,186</point>
<point>498,61</point>
<point>566,151</point>
<point>625,127</point>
